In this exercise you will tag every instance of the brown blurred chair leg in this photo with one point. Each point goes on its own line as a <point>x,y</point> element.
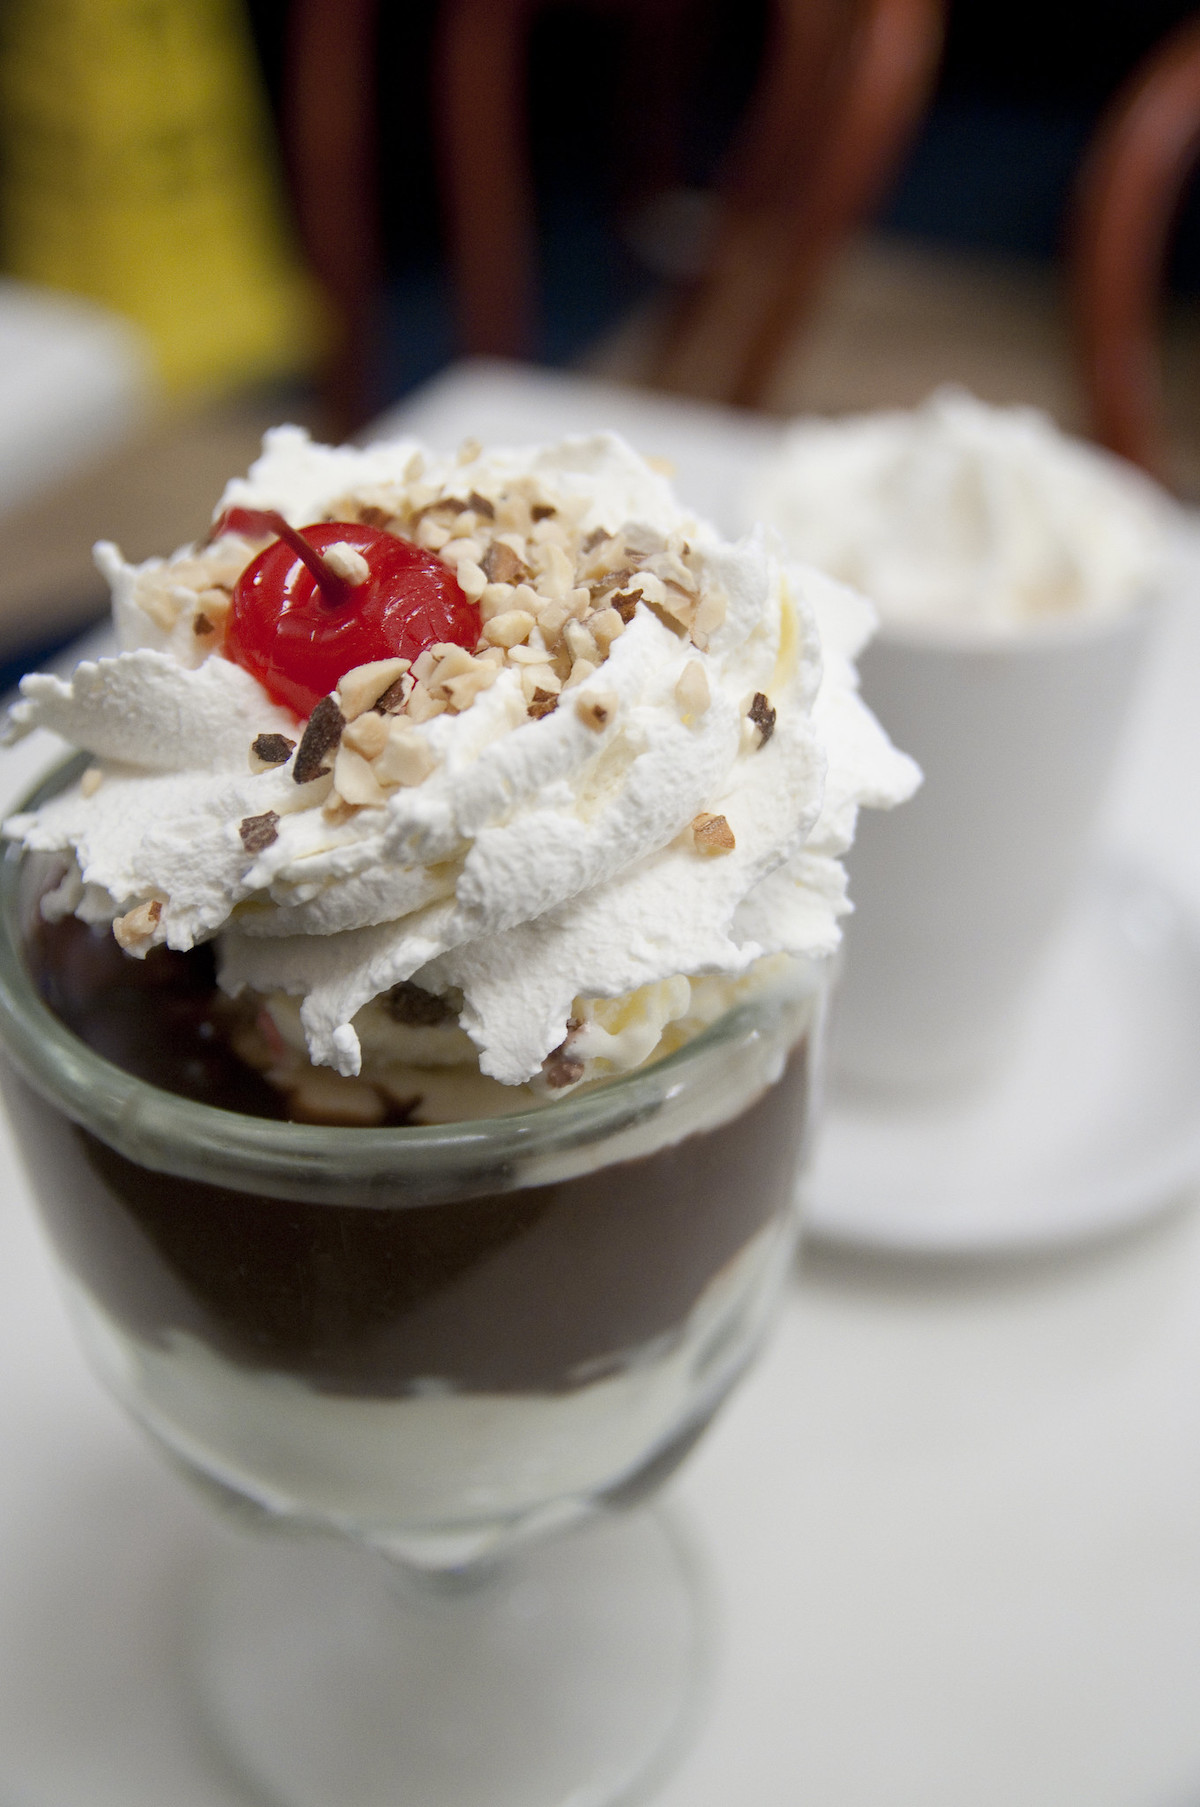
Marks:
<point>662,43</point>
<point>486,181</point>
<point>1129,190</point>
<point>803,68</point>
<point>845,137</point>
<point>792,99</point>
<point>892,69</point>
<point>330,145</point>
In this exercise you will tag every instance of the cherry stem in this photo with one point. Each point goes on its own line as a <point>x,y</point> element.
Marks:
<point>254,521</point>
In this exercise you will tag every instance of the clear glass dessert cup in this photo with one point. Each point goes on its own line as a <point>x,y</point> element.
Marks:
<point>442,1344</point>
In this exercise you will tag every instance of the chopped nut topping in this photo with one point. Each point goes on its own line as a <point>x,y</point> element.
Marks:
<point>409,1003</point>
<point>258,832</point>
<point>712,834</point>
<point>606,627</point>
<point>553,599</point>
<point>407,759</point>
<point>363,688</point>
<point>160,599</point>
<point>560,1066</point>
<point>347,561</point>
<point>462,690</point>
<point>763,717</point>
<point>509,629</point>
<point>539,677</point>
<point>642,541</point>
<point>91,781</point>
<point>673,606</point>
<point>367,734</point>
<point>468,452</point>
<point>596,710</point>
<point>394,696</point>
<point>495,600</point>
<point>463,550</point>
<point>709,616</point>
<point>422,706</point>
<point>135,930</point>
<point>353,779</point>
<point>580,644</point>
<point>321,736</point>
<point>692,692</point>
<point>502,565</point>
<point>452,661</point>
<point>337,810</point>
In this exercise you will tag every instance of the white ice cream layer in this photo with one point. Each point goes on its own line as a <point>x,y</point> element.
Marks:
<point>963,513</point>
<point>542,859</point>
<point>438,1457</point>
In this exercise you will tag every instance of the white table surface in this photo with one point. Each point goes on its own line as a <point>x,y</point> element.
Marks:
<point>953,1517</point>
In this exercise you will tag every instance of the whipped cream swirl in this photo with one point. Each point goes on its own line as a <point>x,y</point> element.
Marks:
<point>677,804</point>
<point>965,514</point>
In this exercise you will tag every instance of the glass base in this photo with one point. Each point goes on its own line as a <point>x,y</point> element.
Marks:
<point>571,1675</point>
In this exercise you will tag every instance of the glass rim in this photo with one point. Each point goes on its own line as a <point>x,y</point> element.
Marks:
<point>170,1133</point>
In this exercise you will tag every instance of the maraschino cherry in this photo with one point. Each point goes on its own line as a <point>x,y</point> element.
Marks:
<point>298,625</point>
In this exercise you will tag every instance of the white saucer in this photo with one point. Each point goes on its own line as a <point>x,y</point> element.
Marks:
<point>1093,1125</point>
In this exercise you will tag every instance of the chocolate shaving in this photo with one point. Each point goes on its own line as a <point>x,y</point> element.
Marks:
<point>763,717</point>
<point>643,542</point>
<point>392,700</point>
<point>501,564</point>
<point>625,602</point>
<point>409,1003</point>
<point>541,511</point>
<point>560,1066</point>
<point>272,749</point>
<point>544,703</point>
<point>482,506</point>
<point>201,626</point>
<point>258,832</point>
<point>322,734</point>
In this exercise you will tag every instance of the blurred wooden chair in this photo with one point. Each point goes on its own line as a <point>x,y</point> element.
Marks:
<point>842,87</point>
<point>1130,187</point>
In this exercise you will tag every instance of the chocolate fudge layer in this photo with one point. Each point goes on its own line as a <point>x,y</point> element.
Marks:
<point>541,1289</point>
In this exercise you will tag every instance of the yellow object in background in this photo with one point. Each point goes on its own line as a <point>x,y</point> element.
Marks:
<point>137,169</point>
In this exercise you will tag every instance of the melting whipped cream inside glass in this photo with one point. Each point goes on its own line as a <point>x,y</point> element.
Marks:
<point>596,827</point>
<point>964,514</point>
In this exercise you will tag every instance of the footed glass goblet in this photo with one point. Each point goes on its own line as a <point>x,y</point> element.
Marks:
<point>442,1345</point>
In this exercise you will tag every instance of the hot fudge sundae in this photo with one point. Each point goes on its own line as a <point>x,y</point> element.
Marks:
<point>458,840</point>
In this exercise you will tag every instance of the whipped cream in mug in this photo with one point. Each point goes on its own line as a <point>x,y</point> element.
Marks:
<point>579,837</point>
<point>964,514</point>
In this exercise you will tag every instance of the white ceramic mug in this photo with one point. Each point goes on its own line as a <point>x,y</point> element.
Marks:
<point>958,893</point>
